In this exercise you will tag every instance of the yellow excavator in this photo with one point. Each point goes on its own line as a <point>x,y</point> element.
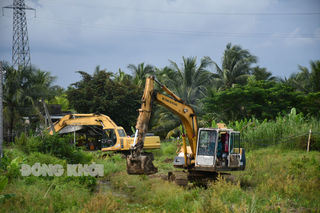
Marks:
<point>99,131</point>
<point>211,150</point>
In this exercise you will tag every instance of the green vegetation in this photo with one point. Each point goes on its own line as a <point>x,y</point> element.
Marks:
<point>274,116</point>
<point>277,179</point>
<point>291,130</point>
<point>237,89</point>
<point>101,93</point>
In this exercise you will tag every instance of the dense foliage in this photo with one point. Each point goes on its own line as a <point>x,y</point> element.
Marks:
<point>102,93</point>
<point>23,88</point>
<point>236,89</point>
<point>270,112</point>
<point>260,99</point>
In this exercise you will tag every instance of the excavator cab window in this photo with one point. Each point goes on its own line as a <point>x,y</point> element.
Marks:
<point>207,142</point>
<point>235,142</point>
<point>122,133</point>
<point>110,138</point>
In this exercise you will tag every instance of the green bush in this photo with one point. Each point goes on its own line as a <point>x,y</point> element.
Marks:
<point>13,169</point>
<point>22,140</point>
<point>62,147</point>
<point>56,145</point>
<point>37,157</point>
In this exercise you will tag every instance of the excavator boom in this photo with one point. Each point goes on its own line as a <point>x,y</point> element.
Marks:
<point>141,163</point>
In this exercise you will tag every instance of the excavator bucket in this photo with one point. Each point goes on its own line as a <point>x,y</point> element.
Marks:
<point>142,164</point>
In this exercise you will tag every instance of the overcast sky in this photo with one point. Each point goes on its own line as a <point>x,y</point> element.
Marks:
<point>67,36</point>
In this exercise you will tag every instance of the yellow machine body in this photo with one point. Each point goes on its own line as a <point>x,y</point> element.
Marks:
<point>119,140</point>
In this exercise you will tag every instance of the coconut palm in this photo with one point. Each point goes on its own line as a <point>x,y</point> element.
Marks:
<point>261,73</point>
<point>140,72</point>
<point>235,67</point>
<point>122,77</point>
<point>305,80</point>
<point>23,88</point>
<point>189,82</point>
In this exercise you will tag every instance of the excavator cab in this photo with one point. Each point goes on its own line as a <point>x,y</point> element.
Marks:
<point>109,138</point>
<point>206,147</point>
<point>218,149</point>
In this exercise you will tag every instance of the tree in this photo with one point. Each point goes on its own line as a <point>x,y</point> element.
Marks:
<point>103,93</point>
<point>315,75</point>
<point>261,74</point>
<point>189,82</point>
<point>140,72</point>
<point>122,76</point>
<point>259,99</point>
<point>23,88</point>
<point>305,80</point>
<point>236,65</point>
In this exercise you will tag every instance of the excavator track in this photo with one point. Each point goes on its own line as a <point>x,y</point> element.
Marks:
<point>182,178</point>
<point>178,177</point>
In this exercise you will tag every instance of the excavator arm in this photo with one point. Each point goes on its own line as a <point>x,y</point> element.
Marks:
<point>141,163</point>
<point>82,119</point>
<point>186,115</point>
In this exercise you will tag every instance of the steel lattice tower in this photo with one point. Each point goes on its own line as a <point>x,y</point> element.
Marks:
<point>20,40</point>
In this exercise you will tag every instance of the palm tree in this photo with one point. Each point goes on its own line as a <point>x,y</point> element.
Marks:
<point>189,82</point>
<point>12,98</point>
<point>305,80</point>
<point>165,74</point>
<point>261,74</point>
<point>235,68</point>
<point>122,77</point>
<point>315,75</point>
<point>140,72</point>
<point>23,88</point>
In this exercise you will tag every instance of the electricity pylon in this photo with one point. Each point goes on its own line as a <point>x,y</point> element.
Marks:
<point>20,41</point>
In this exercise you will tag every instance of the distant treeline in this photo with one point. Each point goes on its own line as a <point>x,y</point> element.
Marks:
<point>237,89</point>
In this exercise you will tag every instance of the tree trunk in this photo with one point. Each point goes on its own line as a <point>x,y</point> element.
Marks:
<point>11,139</point>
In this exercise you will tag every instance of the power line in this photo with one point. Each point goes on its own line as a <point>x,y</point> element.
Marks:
<point>180,12</point>
<point>218,13</point>
<point>185,32</point>
<point>136,29</point>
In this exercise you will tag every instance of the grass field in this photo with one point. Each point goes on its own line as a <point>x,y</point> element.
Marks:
<point>275,180</point>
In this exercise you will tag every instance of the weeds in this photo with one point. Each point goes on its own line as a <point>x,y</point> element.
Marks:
<point>277,178</point>
<point>291,131</point>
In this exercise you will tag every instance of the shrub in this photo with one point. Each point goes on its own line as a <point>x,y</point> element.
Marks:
<point>62,147</point>
<point>290,130</point>
<point>57,145</point>
<point>37,157</point>
<point>13,169</point>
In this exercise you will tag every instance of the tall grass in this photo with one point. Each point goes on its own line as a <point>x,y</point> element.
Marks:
<point>275,179</point>
<point>291,130</point>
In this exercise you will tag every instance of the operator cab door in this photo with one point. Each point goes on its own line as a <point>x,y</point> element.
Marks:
<point>206,148</point>
<point>234,147</point>
<point>109,138</point>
